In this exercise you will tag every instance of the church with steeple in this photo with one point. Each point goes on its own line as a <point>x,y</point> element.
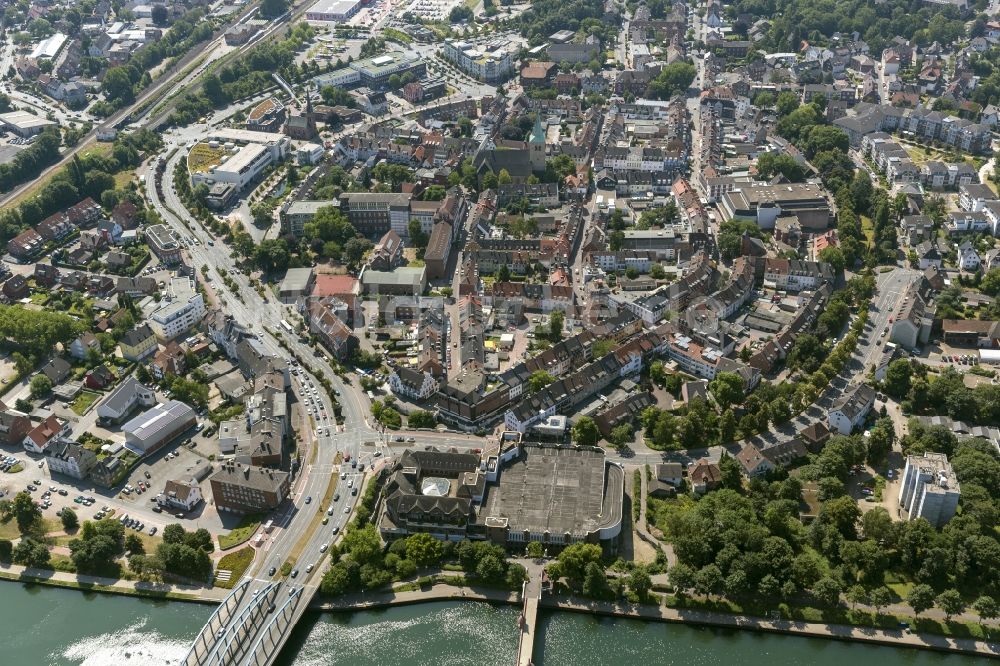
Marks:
<point>520,159</point>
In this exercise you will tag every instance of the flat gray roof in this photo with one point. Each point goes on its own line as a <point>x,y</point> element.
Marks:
<point>296,279</point>
<point>556,491</point>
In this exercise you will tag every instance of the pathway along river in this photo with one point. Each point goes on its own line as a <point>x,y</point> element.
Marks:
<point>44,626</point>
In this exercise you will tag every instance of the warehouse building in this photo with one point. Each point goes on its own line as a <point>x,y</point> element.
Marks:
<point>24,124</point>
<point>333,10</point>
<point>150,430</point>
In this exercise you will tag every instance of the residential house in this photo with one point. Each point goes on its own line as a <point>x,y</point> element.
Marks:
<point>851,409</point>
<point>182,495</point>
<point>79,348</point>
<point>138,343</point>
<point>42,434</point>
<point>57,369</point>
<point>69,458</point>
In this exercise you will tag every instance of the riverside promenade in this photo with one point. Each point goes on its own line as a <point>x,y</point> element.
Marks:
<point>888,637</point>
<point>175,592</point>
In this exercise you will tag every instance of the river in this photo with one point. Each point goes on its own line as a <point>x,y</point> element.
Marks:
<point>43,626</point>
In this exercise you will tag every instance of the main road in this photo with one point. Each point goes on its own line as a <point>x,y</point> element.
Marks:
<point>254,622</point>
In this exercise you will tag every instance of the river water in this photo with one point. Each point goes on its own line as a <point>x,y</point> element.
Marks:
<point>44,626</point>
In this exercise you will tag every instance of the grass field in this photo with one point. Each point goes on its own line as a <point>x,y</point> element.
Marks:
<point>241,533</point>
<point>237,561</point>
<point>83,402</point>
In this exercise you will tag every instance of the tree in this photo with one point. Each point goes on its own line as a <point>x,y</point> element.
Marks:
<point>727,389</point>
<point>920,598</point>
<point>681,577</point>
<point>707,579</point>
<point>356,248</point>
<point>25,512</point>
<point>159,15</point>
<point>420,418</point>
<point>536,549</point>
<point>786,102</point>
<point>732,478</point>
<point>856,594</point>
<point>770,164</point>
<point>556,320</point>
<point>30,553</point>
<point>622,434</point>
<point>69,519</point>
<point>950,601</point>
<point>672,79</point>
<point>118,86</point>
<point>827,590</point>
<point>423,549</point>
<point>133,544</point>
<point>539,379</point>
<point>880,597</point>
<point>897,378</point>
<point>6,548</point>
<point>639,582</point>
<point>574,559</point>
<point>490,568</point>
<point>880,440</point>
<point>585,432</point>
<point>595,582</point>
<point>835,257</point>
<point>173,533</point>
<point>40,385</point>
<point>985,606</point>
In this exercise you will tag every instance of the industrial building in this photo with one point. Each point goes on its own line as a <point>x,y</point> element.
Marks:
<point>333,10</point>
<point>511,495</point>
<point>766,203</point>
<point>24,124</point>
<point>929,489</point>
<point>150,430</point>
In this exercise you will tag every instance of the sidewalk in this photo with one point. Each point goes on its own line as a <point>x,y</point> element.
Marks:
<point>891,638</point>
<point>198,593</point>
<point>438,592</point>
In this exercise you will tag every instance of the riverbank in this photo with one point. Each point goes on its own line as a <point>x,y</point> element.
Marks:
<point>648,612</point>
<point>444,592</point>
<point>144,589</point>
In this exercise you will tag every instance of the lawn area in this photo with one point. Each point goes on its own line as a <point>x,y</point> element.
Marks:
<point>83,402</point>
<point>237,562</point>
<point>868,229</point>
<point>123,178</point>
<point>16,468</point>
<point>242,532</point>
<point>8,528</point>
<point>919,156</point>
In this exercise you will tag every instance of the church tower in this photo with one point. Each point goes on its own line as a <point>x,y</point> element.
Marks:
<point>536,146</point>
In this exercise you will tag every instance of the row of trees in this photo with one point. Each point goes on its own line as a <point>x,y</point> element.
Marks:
<point>91,175</point>
<point>245,77</point>
<point>121,83</point>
